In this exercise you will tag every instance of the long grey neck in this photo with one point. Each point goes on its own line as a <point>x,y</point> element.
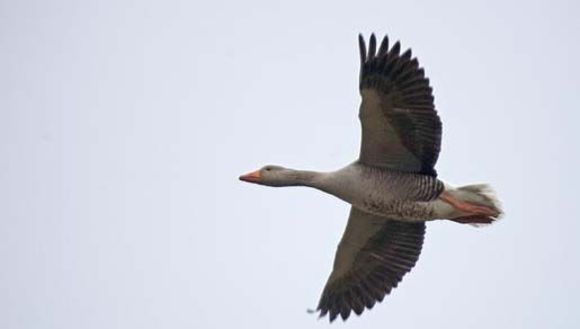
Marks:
<point>307,178</point>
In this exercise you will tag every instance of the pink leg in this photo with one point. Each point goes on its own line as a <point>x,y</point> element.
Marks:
<point>469,209</point>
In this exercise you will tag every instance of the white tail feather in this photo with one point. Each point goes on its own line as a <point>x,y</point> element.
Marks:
<point>471,204</point>
<point>481,194</point>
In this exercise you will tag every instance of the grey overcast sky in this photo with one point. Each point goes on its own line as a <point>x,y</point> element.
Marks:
<point>125,124</point>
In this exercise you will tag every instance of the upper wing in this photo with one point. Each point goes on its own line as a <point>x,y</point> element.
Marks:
<point>372,258</point>
<point>400,127</point>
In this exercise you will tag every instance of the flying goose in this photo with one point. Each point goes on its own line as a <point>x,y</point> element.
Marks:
<point>393,187</point>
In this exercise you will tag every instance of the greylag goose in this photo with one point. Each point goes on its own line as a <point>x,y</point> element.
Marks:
<point>393,187</point>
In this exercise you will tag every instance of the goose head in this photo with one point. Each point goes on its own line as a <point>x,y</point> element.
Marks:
<point>271,175</point>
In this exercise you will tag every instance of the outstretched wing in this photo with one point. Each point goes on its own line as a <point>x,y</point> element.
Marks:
<point>372,258</point>
<point>400,126</point>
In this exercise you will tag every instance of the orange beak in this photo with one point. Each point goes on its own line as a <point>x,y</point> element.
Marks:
<point>252,177</point>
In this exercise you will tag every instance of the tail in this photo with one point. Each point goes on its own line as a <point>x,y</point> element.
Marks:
<point>474,204</point>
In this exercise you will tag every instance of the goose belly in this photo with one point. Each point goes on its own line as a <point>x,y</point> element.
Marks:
<point>388,194</point>
<point>383,202</point>
<point>403,210</point>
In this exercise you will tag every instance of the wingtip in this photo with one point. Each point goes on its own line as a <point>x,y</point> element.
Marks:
<point>362,48</point>
<point>344,315</point>
<point>332,316</point>
<point>396,48</point>
<point>384,48</point>
<point>361,39</point>
<point>372,46</point>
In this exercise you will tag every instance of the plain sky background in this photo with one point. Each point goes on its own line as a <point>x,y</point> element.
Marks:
<point>124,126</point>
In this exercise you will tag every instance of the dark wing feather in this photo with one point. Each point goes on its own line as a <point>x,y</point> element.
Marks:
<point>373,256</point>
<point>400,126</point>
